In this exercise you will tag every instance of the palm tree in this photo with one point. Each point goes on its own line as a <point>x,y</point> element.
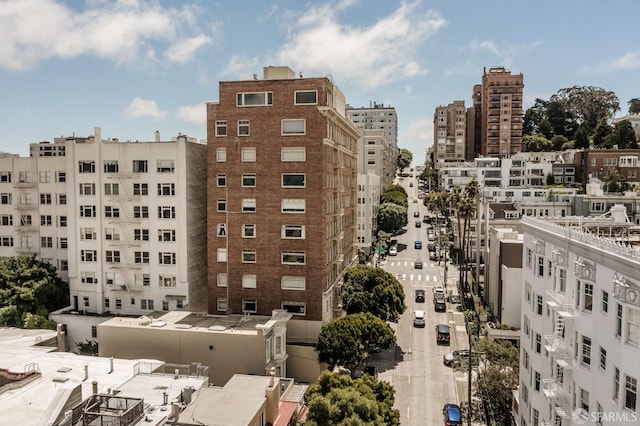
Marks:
<point>466,210</point>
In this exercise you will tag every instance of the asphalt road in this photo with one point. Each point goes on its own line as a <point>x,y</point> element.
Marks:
<point>422,383</point>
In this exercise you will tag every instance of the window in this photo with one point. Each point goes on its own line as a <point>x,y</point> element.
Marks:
<point>248,256</point>
<point>140,166</point>
<point>605,301</point>
<point>633,326</point>
<point>248,155</point>
<point>46,242</point>
<point>45,198</point>
<point>249,305</point>
<point>165,305</point>
<point>87,234</point>
<point>6,220</point>
<point>87,211</point>
<point>141,257</point>
<point>140,212</point>
<point>112,234</point>
<point>44,177</point>
<point>221,279</point>
<point>5,198</point>
<point>529,256</point>
<point>221,155</point>
<point>249,205</point>
<point>86,166</point>
<point>146,304</point>
<point>249,180</point>
<point>293,257</point>
<point>221,205</point>
<point>221,180</point>
<point>167,281</point>
<point>166,212</point>
<point>140,189</point>
<point>221,128</point>
<point>538,343</point>
<point>293,231</point>
<point>535,418</point>
<point>87,189</point>
<point>165,166</point>
<point>536,381</point>
<point>584,400</point>
<point>619,320</point>
<point>249,281</point>
<point>221,304</point>
<point>588,297</point>
<point>6,241</point>
<point>25,220</point>
<point>293,180</point>
<point>141,235</point>
<point>62,176</point>
<point>306,97</point>
<point>179,303</point>
<point>88,255</point>
<point>110,166</point>
<point>539,305</point>
<point>166,189</point>
<point>118,303</point>
<point>243,127</point>
<point>112,256</point>
<point>222,255</point>
<point>249,230</point>
<point>62,243</point>
<point>111,189</point>
<point>616,383</point>
<point>603,358</point>
<point>142,280</point>
<point>166,258</point>
<point>85,301</point>
<point>222,230</point>
<point>109,278</point>
<point>586,350</point>
<point>296,308</point>
<point>563,280</point>
<point>630,393</point>
<point>293,127</point>
<point>46,220</point>
<point>62,199</point>
<point>288,282</point>
<point>254,99</point>
<point>291,154</point>
<point>107,302</point>
<point>166,235</point>
<point>540,266</point>
<point>110,211</point>
<point>293,206</point>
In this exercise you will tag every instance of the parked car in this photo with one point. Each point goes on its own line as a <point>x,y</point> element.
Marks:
<point>393,251</point>
<point>416,214</point>
<point>439,304</point>
<point>431,247</point>
<point>442,334</point>
<point>453,298</point>
<point>420,295</point>
<point>455,358</point>
<point>417,264</point>
<point>418,224</point>
<point>452,415</point>
<point>419,319</point>
<point>433,255</point>
<point>438,289</point>
<point>417,244</point>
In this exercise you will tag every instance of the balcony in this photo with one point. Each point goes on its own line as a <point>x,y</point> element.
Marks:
<point>557,396</point>
<point>29,206</point>
<point>559,302</point>
<point>24,184</point>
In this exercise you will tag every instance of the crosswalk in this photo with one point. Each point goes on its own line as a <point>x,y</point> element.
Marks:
<point>417,277</point>
<point>408,263</point>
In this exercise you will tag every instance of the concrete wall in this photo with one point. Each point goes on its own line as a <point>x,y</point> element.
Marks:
<point>511,286</point>
<point>303,364</point>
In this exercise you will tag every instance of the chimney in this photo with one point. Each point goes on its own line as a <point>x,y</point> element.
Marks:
<point>157,136</point>
<point>60,338</point>
<point>175,412</point>
<point>94,387</point>
<point>86,372</point>
<point>110,365</point>
<point>272,393</point>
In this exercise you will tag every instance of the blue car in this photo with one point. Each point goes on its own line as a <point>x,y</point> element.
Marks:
<point>417,244</point>
<point>452,415</point>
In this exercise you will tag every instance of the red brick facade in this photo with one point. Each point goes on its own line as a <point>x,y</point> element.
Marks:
<point>329,170</point>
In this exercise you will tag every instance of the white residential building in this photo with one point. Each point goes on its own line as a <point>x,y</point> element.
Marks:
<point>580,341</point>
<point>369,190</point>
<point>377,155</point>
<point>137,222</point>
<point>376,117</point>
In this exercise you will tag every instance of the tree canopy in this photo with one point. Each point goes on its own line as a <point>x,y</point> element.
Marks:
<point>588,104</point>
<point>536,143</point>
<point>372,290</point>
<point>337,399</point>
<point>392,217</point>
<point>29,290</point>
<point>404,159</point>
<point>634,106</point>
<point>348,340</point>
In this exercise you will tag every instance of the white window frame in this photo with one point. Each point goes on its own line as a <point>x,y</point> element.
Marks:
<point>249,256</point>
<point>294,205</point>
<point>248,154</point>
<point>304,180</point>
<point>221,155</point>
<point>293,154</point>
<point>220,125</point>
<point>293,282</point>
<point>221,180</point>
<point>244,128</point>
<point>222,254</point>
<point>293,127</point>
<point>242,97</point>
<point>295,97</point>
<point>287,257</point>
<point>249,281</point>
<point>248,230</point>
<point>302,305</point>
<point>221,304</point>
<point>221,279</point>
<point>293,228</point>
<point>249,176</point>
<point>249,205</point>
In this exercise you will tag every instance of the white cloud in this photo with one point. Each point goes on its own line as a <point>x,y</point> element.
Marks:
<point>194,114</point>
<point>241,67</point>
<point>419,134</point>
<point>124,31</point>
<point>506,52</point>
<point>367,56</point>
<point>185,49</point>
<point>628,61</point>
<point>144,108</point>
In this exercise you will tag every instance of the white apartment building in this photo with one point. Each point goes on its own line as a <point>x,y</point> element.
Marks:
<point>137,224</point>
<point>33,207</point>
<point>376,117</point>
<point>377,155</point>
<point>580,341</point>
<point>369,190</point>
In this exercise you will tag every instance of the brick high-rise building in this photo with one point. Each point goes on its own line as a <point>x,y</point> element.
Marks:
<point>498,113</point>
<point>281,195</point>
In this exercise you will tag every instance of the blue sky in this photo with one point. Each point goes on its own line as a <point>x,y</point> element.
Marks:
<point>136,66</point>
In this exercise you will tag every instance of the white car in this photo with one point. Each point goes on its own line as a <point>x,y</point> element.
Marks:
<point>393,251</point>
<point>438,290</point>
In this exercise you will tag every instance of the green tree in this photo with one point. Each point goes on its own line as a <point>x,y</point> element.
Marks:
<point>395,197</point>
<point>614,181</point>
<point>634,106</point>
<point>394,187</point>
<point>536,143</point>
<point>559,142</point>
<point>581,138</point>
<point>392,217</point>
<point>372,290</point>
<point>622,135</point>
<point>404,159</point>
<point>601,135</point>
<point>348,340</point>
<point>29,286</point>
<point>337,399</point>
<point>587,104</point>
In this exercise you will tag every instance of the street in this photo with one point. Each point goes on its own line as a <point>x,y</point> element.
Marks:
<point>422,382</point>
